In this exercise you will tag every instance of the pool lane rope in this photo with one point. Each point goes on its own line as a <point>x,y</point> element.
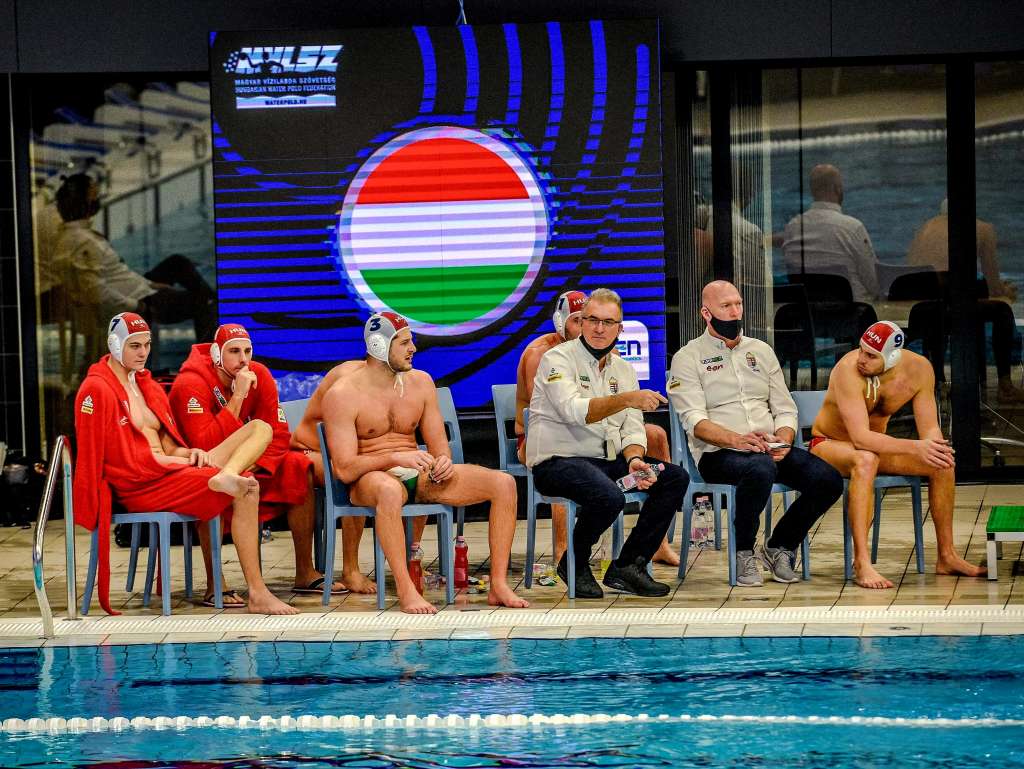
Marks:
<point>474,721</point>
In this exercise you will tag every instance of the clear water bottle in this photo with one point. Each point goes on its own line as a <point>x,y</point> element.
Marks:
<point>604,555</point>
<point>416,567</point>
<point>630,482</point>
<point>461,563</point>
<point>702,522</point>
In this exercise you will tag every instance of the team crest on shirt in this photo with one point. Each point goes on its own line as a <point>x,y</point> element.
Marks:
<point>752,361</point>
<point>613,386</point>
<point>673,383</point>
<point>219,396</point>
<point>194,406</point>
<point>87,406</point>
<point>280,416</point>
<point>554,376</point>
<point>716,359</point>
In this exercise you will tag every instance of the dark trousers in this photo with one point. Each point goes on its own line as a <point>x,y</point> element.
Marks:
<point>930,320</point>
<point>194,301</point>
<point>590,483</point>
<point>819,484</point>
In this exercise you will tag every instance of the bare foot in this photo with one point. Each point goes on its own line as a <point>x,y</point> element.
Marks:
<point>866,576</point>
<point>233,485</point>
<point>359,583</point>
<point>265,602</point>
<point>501,594</point>
<point>957,565</point>
<point>666,554</point>
<point>413,603</point>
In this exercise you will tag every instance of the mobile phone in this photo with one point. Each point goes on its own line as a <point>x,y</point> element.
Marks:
<point>779,445</point>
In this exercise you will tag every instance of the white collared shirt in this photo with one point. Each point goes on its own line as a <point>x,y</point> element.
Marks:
<point>567,378</point>
<point>741,389</point>
<point>825,240</point>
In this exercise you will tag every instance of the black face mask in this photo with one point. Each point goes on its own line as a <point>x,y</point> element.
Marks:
<point>597,353</point>
<point>727,329</point>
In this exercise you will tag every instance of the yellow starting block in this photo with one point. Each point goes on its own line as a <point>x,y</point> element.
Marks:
<point>1005,524</point>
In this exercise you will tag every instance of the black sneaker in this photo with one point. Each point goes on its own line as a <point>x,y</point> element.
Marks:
<point>586,585</point>
<point>633,579</point>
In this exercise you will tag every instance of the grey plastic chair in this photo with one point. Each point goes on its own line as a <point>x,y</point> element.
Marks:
<point>293,412</point>
<point>808,404</point>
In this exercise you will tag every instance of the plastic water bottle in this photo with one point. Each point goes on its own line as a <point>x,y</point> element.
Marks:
<point>416,567</point>
<point>604,555</point>
<point>701,523</point>
<point>461,563</point>
<point>630,482</point>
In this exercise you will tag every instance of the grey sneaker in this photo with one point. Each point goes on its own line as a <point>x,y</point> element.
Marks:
<point>748,569</point>
<point>780,562</point>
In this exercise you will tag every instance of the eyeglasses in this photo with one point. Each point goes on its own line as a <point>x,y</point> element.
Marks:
<point>602,322</point>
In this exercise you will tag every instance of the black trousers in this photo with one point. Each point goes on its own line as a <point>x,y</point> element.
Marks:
<point>590,483</point>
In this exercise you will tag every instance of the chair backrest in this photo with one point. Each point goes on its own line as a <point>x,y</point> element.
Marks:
<point>825,287</point>
<point>336,491</point>
<point>504,396</point>
<point>451,423</point>
<point>293,411</point>
<point>808,404</point>
<point>680,446</point>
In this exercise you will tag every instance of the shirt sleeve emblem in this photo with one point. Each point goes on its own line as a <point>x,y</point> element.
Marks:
<point>87,405</point>
<point>194,406</point>
<point>280,416</point>
<point>554,375</point>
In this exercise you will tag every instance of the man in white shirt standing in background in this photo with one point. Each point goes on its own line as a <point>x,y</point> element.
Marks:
<point>741,422</point>
<point>585,431</point>
<point>825,240</point>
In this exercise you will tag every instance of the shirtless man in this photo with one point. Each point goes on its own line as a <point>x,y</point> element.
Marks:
<point>568,325</point>
<point>371,418</point>
<point>865,389</point>
<point>305,439</point>
<point>129,448</point>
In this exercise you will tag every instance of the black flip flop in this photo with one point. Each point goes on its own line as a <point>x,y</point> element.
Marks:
<point>228,594</point>
<point>316,587</point>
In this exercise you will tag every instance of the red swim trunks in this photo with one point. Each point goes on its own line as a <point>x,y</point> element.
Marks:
<point>815,440</point>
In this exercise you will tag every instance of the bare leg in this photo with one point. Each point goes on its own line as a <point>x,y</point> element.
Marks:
<point>387,495</point>
<point>236,454</point>
<point>472,484</point>
<point>245,532</point>
<point>861,467</point>
<point>300,523</point>
<point>231,598</point>
<point>561,537</point>
<point>941,494</point>
<point>658,448</point>
<point>351,532</point>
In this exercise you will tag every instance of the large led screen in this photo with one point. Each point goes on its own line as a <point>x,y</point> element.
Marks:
<point>461,176</point>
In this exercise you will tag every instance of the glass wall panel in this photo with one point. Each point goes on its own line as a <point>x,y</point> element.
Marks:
<point>697,266</point>
<point>122,221</point>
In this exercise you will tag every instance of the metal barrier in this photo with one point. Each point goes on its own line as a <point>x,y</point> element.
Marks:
<point>60,459</point>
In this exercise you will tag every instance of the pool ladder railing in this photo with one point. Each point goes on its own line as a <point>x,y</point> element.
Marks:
<point>60,461</point>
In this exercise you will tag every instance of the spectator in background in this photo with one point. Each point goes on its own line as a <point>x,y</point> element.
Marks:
<point>825,240</point>
<point>171,292</point>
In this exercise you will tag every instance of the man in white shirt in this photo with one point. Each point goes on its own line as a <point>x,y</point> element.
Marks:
<point>741,422</point>
<point>585,431</point>
<point>825,240</point>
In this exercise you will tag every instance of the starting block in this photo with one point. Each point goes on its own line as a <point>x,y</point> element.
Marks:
<point>1005,524</point>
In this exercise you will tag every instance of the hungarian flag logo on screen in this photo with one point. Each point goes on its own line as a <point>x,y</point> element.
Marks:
<point>444,225</point>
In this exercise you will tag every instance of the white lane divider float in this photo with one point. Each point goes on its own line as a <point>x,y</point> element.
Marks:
<point>454,721</point>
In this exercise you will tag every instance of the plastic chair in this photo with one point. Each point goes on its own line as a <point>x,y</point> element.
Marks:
<point>451,423</point>
<point>808,404</point>
<point>337,505</point>
<point>504,396</point>
<point>159,536</point>
<point>534,497</point>
<point>681,455</point>
<point>293,412</point>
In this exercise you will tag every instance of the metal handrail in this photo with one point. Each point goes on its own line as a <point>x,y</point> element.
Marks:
<point>61,457</point>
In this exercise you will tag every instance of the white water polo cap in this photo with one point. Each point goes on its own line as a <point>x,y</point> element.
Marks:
<point>570,303</point>
<point>886,340</point>
<point>378,332</point>
<point>122,327</point>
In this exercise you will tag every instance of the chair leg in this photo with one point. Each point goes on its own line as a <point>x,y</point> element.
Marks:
<point>684,536</point>
<point>531,541</point>
<point>671,533</point>
<point>150,564</point>
<point>877,524</point>
<point>768,518</point>
<point>133,557</point>
<point>991,559</point>
<point>461,511</point>
<point>408,538</point>
<point>90,578</point>
<point>570,551</point>
<point>330,541</point>
<point>618,535</point>
<point>186,541</point>
<point>805,558</point>
<point>165,566</point>
<point>915,503</point>
<point>716,503</point>
<point>847,537</point>
<point>378,568</point>
<point>732,542</point>
<point>215,556</point>
<point>318,531</point>
<point>447,551</point>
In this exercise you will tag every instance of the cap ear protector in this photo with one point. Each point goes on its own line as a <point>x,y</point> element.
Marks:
<point>568,304</point>
<point>378,332</point>
<point>225,334</point>
<point>122,326</point>
<point>886,340</point>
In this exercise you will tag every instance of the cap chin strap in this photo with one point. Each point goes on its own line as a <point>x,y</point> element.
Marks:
<point>871,390</point>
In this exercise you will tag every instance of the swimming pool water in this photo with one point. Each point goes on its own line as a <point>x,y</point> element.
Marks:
<point>927,678</point>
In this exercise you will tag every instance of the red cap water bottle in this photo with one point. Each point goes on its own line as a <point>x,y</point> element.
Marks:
<point>461,563</point>
<point>416,567</point>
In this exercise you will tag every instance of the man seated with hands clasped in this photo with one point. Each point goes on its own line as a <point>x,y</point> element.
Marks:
<point>586,430</point>
<point>741,422</point>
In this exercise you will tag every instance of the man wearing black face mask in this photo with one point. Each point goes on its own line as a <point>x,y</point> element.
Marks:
<point>585,431</point>
<point>98,277</point>
<point>741,421</point>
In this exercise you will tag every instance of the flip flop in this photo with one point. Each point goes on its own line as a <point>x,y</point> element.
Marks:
<point>316,587</point>
<point>232,600</point>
